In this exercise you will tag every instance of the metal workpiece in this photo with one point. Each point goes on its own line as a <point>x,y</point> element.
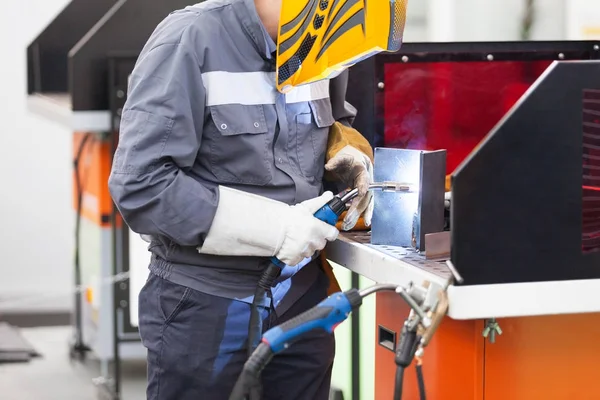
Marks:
<point>429,217</point>
<point>403,219</point>
<point>392,222</point>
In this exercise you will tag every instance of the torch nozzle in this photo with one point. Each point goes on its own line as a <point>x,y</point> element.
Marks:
<point>390,186</point>
<point>383,186</point>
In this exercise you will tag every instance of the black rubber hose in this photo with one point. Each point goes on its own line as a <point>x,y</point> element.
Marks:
<point>421,382</point>
<point>399,383</point>
<point>405,352</point>
<point>248,385</point>
<point>78,346</point>
<point>255,325</point>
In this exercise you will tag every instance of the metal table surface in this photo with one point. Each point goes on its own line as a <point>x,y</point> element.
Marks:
<point>397,265</point>
<point>385,264</point>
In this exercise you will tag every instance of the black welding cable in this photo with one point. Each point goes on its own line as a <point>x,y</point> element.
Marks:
<point>248,385</point>
<point>262,289</point>
<point>78,347</point>
<point>420,381</point>
<point>399,383</point>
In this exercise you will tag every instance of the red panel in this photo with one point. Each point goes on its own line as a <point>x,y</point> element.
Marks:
<point>591,172</point>
<point>452,106</point>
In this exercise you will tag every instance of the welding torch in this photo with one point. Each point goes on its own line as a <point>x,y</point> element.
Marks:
<point>327,315</point>
<point>417,331</point>
<point>408,347</point>
<point>330,214</point>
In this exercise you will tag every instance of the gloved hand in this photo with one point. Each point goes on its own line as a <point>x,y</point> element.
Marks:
<point>249,225</point>
<point>348,161</point>
<point>354,169</point>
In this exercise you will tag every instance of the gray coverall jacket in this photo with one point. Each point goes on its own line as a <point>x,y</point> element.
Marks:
<point>202,111</point>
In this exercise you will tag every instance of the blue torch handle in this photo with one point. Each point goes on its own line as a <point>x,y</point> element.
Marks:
<point>326,316</point>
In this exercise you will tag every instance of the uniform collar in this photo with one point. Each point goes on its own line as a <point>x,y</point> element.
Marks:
<point>271,46</point>
<point>246,12</point>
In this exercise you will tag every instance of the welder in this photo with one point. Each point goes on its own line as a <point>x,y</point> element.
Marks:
<point>224,144</point>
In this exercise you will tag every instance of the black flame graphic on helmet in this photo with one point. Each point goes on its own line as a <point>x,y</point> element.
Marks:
<point>316,12</point>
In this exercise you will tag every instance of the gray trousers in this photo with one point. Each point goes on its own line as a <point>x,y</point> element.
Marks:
<point>197,346</point>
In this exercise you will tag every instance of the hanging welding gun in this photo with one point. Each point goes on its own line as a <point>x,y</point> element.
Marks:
<point>405,354</point>
<point>326,316</point>
<point>417,331</point>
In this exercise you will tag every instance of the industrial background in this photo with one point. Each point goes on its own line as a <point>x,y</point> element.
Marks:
<point>37,238</point>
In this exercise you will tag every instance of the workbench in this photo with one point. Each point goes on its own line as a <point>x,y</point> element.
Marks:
<point>547,348</point>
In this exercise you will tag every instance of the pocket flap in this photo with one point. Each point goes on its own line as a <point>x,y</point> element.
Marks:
<point>323,112</point>
<point>239,119</point>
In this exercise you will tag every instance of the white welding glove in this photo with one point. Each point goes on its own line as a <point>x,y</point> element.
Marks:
<point>354,169</point>
<point>249,225</point>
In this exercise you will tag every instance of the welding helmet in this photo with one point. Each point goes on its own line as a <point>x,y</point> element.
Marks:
<point>318,39</point>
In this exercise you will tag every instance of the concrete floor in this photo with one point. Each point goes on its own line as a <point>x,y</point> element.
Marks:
<point>54,377</point>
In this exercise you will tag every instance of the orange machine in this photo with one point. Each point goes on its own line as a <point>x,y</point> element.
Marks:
<point>520,123</point>
<point>542,357</point>
<point>93,168</point>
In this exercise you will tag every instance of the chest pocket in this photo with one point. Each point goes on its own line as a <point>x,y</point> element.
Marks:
<point>312,132</point>
<point>238,144</point>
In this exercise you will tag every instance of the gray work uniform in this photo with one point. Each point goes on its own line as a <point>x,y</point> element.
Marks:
<point>202,111</point>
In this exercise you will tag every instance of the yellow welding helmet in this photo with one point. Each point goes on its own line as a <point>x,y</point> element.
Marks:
<point>319,39</point>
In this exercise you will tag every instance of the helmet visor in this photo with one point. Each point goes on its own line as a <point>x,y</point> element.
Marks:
<point>319,39</point>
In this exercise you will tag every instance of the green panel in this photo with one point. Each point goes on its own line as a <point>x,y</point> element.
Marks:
<point>367,344</point>
<point>342,366</point>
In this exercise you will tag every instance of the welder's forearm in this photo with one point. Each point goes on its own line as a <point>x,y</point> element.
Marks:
<point>165,202</point>
<point>245,225</point>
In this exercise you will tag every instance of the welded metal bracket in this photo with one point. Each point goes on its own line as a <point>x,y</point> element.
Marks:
<point>403,219</point>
